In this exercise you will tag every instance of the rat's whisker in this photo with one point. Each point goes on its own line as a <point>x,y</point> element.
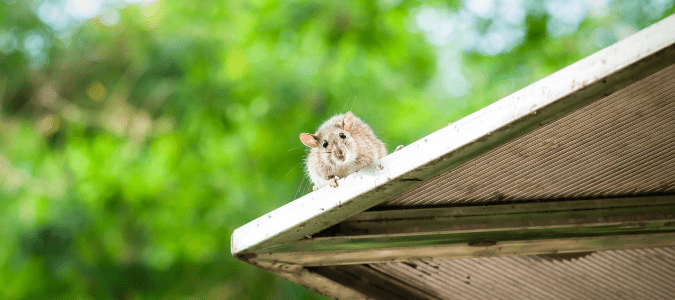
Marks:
<point>301,116</point>
<point>302,183</point>
<point>289,172</point>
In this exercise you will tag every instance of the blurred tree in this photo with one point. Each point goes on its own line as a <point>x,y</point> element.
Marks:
<point>136,136</point>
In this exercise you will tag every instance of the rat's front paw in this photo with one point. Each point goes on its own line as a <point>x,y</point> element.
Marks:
<point>333,181</point>
<point>316,187</point>
<point>398,148</point>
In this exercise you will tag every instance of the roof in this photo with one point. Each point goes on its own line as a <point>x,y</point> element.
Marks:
<point>509,200</point>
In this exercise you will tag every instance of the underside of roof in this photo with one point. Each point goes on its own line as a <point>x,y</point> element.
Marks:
<point>614,274</point>
<point>619,145</point>
<point>562,190</point>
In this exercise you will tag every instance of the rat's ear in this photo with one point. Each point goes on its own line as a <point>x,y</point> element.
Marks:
<point>309,140</point>
<point>348,121</point>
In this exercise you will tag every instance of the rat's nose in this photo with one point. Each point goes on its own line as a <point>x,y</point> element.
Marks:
<point>339,154</point>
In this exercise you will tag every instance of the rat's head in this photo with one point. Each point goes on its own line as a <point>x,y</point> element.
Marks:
<point>334,141</point>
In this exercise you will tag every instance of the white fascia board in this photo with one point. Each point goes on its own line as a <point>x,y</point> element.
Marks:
<point>585,81</point>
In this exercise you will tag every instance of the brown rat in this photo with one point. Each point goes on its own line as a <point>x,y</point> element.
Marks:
<point>342,145</point>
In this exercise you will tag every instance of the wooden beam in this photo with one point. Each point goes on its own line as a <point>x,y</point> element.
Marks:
<point>309,279</point>
<point>491,230</point>
<point>372,283</point>
<point>435,251</point>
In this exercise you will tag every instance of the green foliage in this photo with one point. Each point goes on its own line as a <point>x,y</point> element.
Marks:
<point>129,152</point>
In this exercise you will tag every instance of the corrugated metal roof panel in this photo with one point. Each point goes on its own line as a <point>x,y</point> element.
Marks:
<point>623,144</point>
<point>620,274</point>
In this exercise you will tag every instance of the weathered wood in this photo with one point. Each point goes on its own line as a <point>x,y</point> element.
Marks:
<point>372,283</point>
<point>380,236</point>
<point>309,279</point>
<point>610,213</point>
<point>376,253</point>
<point>513,208</point>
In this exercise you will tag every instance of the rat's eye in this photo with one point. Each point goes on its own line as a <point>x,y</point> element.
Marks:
<point>325,144</point>
<point>342,135</point>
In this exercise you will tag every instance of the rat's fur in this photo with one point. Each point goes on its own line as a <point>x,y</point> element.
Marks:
<point>342,156</point>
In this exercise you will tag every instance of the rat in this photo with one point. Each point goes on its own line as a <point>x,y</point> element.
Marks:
<point>342,145</point>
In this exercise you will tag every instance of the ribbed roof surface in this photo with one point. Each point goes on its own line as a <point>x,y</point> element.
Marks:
<point>621,274</point>
<point>620,145</point>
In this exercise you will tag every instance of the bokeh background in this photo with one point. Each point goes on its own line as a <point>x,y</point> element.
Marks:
<point>135,136</point>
